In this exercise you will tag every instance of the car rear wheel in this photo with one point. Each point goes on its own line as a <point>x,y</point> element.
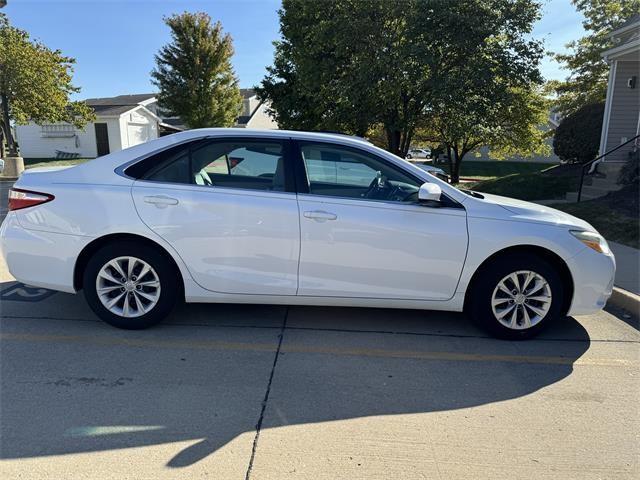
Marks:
<point>130,286</point>
<point>516,296</point>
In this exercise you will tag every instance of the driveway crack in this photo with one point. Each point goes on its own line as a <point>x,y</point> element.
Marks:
<point>265,400</point>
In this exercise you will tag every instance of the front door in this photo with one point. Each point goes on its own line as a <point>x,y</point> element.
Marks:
<point>364,235</point>
<point>102,139</point>
<point>227,208</point>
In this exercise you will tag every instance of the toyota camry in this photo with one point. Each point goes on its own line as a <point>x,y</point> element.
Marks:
<point>277,217</point>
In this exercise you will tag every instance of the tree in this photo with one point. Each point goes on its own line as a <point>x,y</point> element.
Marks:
<point>358,65</point>
<point>194,74</point>
<point>343,65</point>
<point>35,84</point>
<point>587,81</point>
<point>484,78</point>
<point>577,138</point>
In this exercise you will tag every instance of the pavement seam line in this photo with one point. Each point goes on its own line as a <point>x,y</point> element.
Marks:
<point>265,400</point>
<point>329,329</point>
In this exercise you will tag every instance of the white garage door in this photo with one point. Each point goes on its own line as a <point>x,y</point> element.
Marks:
<point>137,133</point>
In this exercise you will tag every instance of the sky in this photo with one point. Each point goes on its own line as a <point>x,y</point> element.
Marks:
<point>114,41</point>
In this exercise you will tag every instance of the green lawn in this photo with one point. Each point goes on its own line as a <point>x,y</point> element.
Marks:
<point>615,216</point>
<point>52,162</point>
<point>493,169</point>
<point>529,186</point>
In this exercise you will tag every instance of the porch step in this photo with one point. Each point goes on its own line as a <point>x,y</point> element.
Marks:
<point>600,184</point>
<point>610,169</point>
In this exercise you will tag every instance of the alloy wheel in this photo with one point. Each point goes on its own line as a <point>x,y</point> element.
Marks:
<point>128,286</point>
<point>521,300</point>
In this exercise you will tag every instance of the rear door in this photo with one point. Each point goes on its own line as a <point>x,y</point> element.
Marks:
<point>229,209</point>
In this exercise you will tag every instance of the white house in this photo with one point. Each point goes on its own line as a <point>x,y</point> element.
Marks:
<point>121,122</point>
<point>254,112</point>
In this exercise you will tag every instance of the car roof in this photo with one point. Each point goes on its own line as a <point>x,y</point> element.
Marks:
<point>254,132</point>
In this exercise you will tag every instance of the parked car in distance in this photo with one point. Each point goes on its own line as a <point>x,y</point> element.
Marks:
<point>295,218</point>
<point>429,168</point>
<point>419,153</point>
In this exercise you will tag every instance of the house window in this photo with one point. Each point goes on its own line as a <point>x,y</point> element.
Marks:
<point>57,130</point>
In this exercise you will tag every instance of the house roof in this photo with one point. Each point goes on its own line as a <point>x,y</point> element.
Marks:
<point>121,100</point>
<point>628,24</point>
<point>113,106</point>
<point>247,92</point>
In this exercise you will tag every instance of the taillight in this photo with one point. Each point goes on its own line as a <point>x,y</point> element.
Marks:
<point>24,198</point>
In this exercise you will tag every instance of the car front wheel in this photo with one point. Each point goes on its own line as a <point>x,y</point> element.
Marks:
<point>516,296</point>
<point>130,286</point>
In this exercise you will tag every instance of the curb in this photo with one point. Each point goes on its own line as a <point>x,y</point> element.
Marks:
<point>625,300</point>
<point>8,179</point>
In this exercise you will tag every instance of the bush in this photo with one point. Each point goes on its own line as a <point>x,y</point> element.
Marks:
<point>577,138</point>
<point>630,173</point>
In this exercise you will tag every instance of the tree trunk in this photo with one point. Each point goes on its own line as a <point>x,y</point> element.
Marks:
<point>407,136</point>
<point>455,171</point>
<point>13,152</point>
<point>450,161</point>
<point>393,141</point>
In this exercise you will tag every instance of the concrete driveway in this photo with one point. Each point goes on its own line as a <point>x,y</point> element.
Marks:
<point>264,392</point>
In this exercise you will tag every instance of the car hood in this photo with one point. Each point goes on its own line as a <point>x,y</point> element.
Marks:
<point>533,212</point>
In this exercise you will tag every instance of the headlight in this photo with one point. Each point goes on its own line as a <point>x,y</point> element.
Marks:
<point>592,240</point>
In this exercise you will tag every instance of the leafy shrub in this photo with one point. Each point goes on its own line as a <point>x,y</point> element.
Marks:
<point>577,138</point>
<point>630,172</point>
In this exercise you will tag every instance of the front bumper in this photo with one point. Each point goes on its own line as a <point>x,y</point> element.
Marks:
<point>593,275</point>
<point>40,259</point>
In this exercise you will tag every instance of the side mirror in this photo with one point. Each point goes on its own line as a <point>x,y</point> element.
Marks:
<point>429,192</point>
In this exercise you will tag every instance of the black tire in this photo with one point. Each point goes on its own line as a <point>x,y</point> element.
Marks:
<point>479,304</point>
<point>170,288</point>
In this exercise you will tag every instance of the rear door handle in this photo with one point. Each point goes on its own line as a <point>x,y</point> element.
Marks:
<point>320,215</point>
<point>160,201</point>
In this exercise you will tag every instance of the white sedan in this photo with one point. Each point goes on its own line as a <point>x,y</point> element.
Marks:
<point>419,153</point>
<point>277,217</point>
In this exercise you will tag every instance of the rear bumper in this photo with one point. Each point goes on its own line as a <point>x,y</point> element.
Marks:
<point>593,276</point>
<point>40,259</point>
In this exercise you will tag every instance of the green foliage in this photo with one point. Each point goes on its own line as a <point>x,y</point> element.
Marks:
<point>630,172</point>
<point>35,82</point>
<point>587,82</point>
<point>194,73</point>
<point>616,215</point>
<point>410,67</point>
<point>577,138</point>
<point>530,186</point>
<point>489,169</point>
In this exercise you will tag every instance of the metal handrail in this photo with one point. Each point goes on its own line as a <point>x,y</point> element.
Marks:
<point>586,166</point>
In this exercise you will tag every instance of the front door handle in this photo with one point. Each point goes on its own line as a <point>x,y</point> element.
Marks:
<point>160,201</point>
<point>320,215</point>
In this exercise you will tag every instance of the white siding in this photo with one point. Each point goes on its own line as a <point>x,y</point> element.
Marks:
<point>261,119</point>
<point>134,123</point>
<point>33,145</point>
<point>114,132</point>
<point>124,131</point>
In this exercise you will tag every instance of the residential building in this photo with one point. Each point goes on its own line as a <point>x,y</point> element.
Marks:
<point>121,122</point>
<point>621,120</point>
